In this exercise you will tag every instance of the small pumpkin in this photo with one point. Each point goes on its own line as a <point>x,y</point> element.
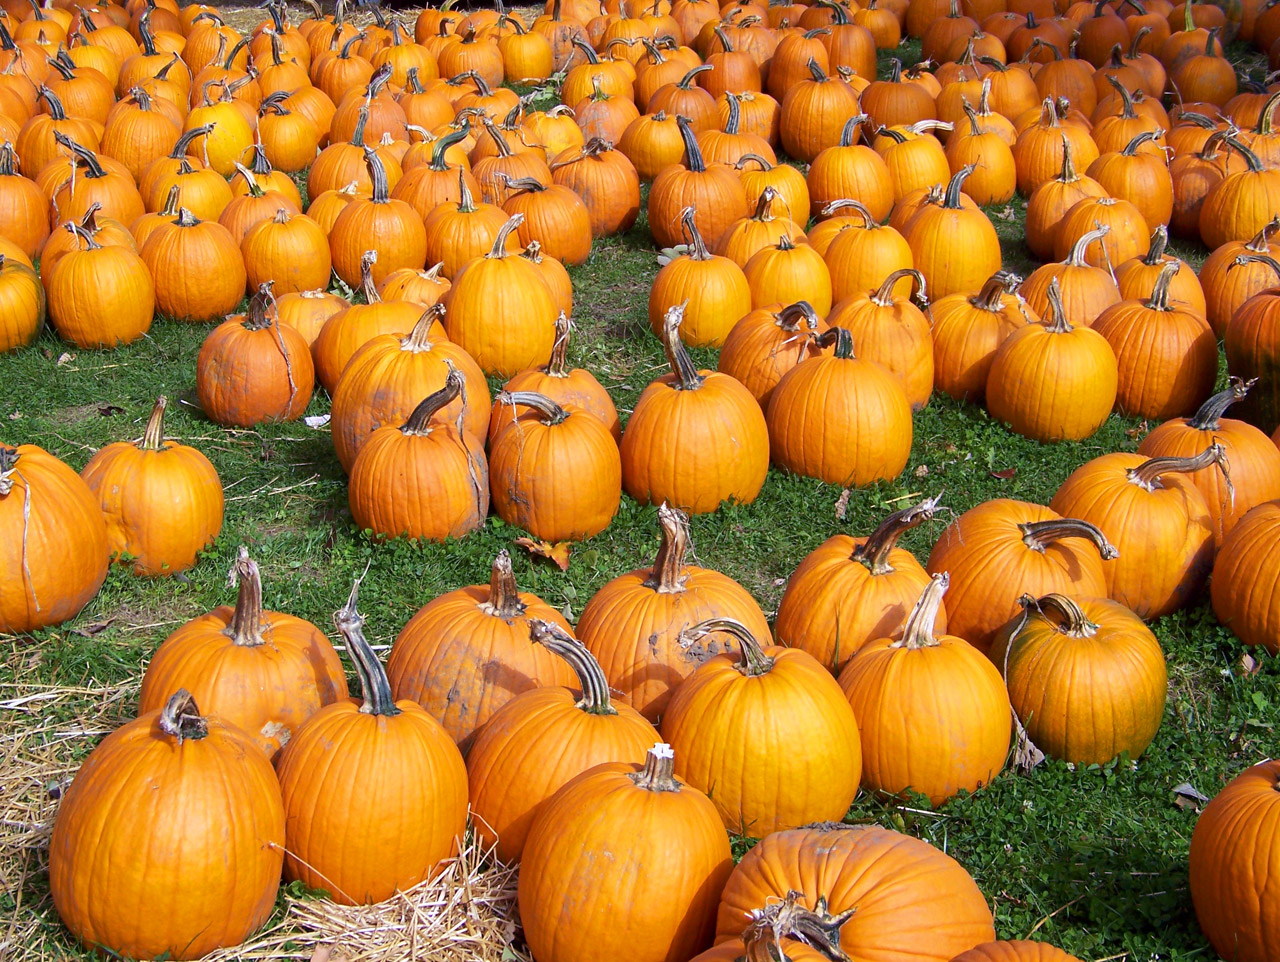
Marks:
<point>713,290</point>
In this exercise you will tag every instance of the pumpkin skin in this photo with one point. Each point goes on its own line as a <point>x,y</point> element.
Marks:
<point>162,796</point>
<point>956,249</point>
<point>1250,345</point>
<point>390,761</point>
<point>22,303</point>
<point>424,479</point>
<point>720,451</point>
<point>1254,459</point>
<point>54,540</point>
<point>99,296</point>
<point>633,624</point>
<point>968,329</point>
<point>162,500</point>
<point>265,672</point>
<point>671,826</point>
<point>913,901</point>
<point>1086,677</point>
<point>1230,865</point>
<point>932,711</point>
<point>467,653</point>
<point>251,368</point>
<point>197,268</point>
<point>1016,950</point>
<point>999,550</point>
<point>841,419</point>
<point>535,743</point>
<point>758,707</point>
<point>713,290</point>
<point>1244,588</point>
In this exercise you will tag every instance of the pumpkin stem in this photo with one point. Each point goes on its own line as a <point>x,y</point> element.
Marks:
<point>552,413</point>
<point>849,133</point>
<point>418,423</point>
<point>951,200</point>
<point>659,771</point>
<point>1211,411</point>
<point>1076,257</point>
<point>790,919</point>
<point>794,316</point>
<point>181,719</point>
<point>8,466</point>
<point>595,687</point>
<point>918,631</point>
<point>374,686</point>
<point>1068,174</point>
<point>1126,99</point>
<point>381,193</point>
<point>1159,241</point>
<point>1147,474</point>
<point>994,289</point>
<point>1159,300</point>
<point>1243,259</point>
<point>183,142</point>
<point>1259,244</point>
<point>153,437</point>
<point>754,661</point>
<point>884,296</point>
<point>1037,535</point>
<point>841,338</point>
<point>1132,146</point>
<point>667,576</point>
<point>499,248</point>
<point>504,597</point>
<point>686,372</point>
<point>693,153</point>
<point>1064,613</point>
<point>82,154</point>
<point>689,227</point>
<point>846,203</point>
<point>245,627</point>
<point>419,339</point>
<point>558,366</point>
<point>370,289</point>
<point>874,552</point>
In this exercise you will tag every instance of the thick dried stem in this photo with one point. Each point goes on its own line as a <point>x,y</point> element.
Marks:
<point>918,631</point>
<point>754,661</point>
<point>374,686</point>
<point>874,552</point>
<point>591,679</point>
<point>181,719</point>
<point>1037,535</point>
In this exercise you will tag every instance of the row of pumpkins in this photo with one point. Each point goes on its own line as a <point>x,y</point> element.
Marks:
<point>414,156</point>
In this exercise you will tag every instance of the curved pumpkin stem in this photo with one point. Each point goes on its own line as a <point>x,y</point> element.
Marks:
<point>181,719</point>
<point>1132,146</point>
<point>686,372</point>
<point>1242,259</point>
<point>918,631</point>
<point>693,153</point>
<point>951,199</point>
<point>1159,300</point>
<point>558,366</point>
<point>689,227</point>
<point>1260,242</point>
<point>499,248</point>
<point>883,297</point>
<point>852,126</point>
<point>796,316</point>
<point>659,771</point>
<point>790,919</point>
<point>595,687</point>
<point>418,423</point>
<point>552,413</point>
<point>1037,535</point>
<point>1126,99</point>
<point>1159,242</point>
<point>374,686</point>
<point>842,340</point>
<point>419,339</point>
<point>367,286</point>
<point>754,661</point>
<point>667,576</point>
<point>1076,257</point>
<point>504,596</point>
<point>1147,475</point>
<point>994,289</point>
<point>153,437</point>
<point>874,552</point>
<point>1063,612</point>
<point>1211,411</point>
<point>847,203</point>
<point>245,627</point>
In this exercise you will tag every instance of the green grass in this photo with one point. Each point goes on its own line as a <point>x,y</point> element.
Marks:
<point>1094,860</point>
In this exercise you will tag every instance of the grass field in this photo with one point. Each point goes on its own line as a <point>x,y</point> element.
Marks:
<point>1094,861</point>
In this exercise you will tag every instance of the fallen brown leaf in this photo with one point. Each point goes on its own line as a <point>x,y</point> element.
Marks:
<point>1004,474</point>
<point>1138,430</point>
<point>558,552</point>
<point>842,504</point>
<point>921,471</point>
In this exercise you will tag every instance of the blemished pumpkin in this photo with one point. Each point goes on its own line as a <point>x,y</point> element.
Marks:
<point>264,671</point>
<point>932,710</point>
<point>467,653</point>
<point>738,714</point>
<point>1086,677</point>
<point>170,793</point>
<point>633,624</point>
<point>1229,864</point>
<point>671,827</point>
<point>162,500</point>
<point>913,900</point>
<point>53,540</point>
<point>542,738</point>
<point>388,759</point>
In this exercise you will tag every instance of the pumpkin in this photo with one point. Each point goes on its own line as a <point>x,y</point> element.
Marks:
<point>251,368</point>
<point>1052,381</point>
<point>1254,460</point>
<point>162,499</point>
<point>671,826</point>
<point>1242,203</point>
<point>381,223</point>
<point>932,711</point>
<point>785,272</point>
<point>1015,950</point>
<point>839,418</point>
<point>1157,519</point>
<point>54,537</point>
<point>1086,677</point>
<point>535,743</point>
<point>912,900</point>
<point>954,248</point>
<point>848,169</point>
<point>815,112</point>
<point>196,266</point>
<point>24,209</point>
<point>554,216</point>
<point>1040,151</point>
<point>22,303</point>
<point>389,375</point>
<point>385,758</point>
<point>1139,275</point>
<point>713,290</point>
<point>758,707</point>
<point>633,624</point>
<point>993,181</point>
<point>850,591</point>
<point>915,158</point>
<point>695,438</point>
<point>440,180</point>
<point>1232,838</point>
<point>1141,178</point>
<point>1250,346</point>
<point>1084,288</point>
<point>167,794</point>
<point>265,672</point>
<point>529,458</point>
<point>1243,587</point>
<point>714,191</point>
<point>892,331</point>
<point>1050,201</point>
<point>398,465</point>
<point>652,143</point>
<point>606,181</point>
<point>202,190</point>
<point>1227,284</point>
<point>968,329</point>
<point>468,652</point>
<point>766,343</point>
<point>861,256</point>
<point>99,296</point>
<point>999,550</point>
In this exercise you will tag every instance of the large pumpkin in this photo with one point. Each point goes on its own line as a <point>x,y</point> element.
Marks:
<point>165,799</point>
<point>388,760</point>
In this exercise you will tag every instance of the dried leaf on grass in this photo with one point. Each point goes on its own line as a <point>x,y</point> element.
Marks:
<point>558,552</point>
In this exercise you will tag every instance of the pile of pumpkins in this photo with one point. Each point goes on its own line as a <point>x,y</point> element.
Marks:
<point>150,157</point>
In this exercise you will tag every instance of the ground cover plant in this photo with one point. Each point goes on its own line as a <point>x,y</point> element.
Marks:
<point>1091,857</point>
